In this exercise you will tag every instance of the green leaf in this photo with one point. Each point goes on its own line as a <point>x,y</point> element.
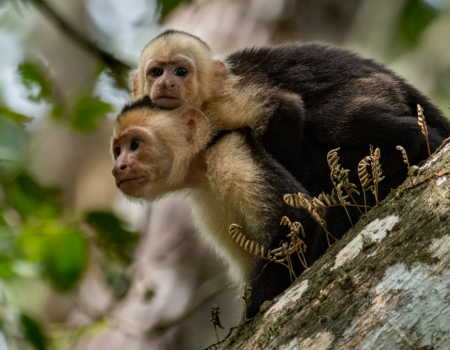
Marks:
<point>36,82</point>
<point>33,332</point>
<point>29,198</point>
<point>87,110</point>
<point>168,6</point>
<point>415,18</point>
<point>5,267</point>
<point>17,117</point>
<point>57,111</point>
<point>67,261</point>
<point>111,236</point>
<point>62,251</point>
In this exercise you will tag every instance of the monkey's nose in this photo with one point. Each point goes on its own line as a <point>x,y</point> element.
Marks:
<point>118,168</point>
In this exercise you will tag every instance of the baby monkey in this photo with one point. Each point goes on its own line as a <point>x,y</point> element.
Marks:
<point>158,152</point>
<point>178,69</point>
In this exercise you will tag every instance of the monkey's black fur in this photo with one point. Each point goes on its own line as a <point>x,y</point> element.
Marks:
<point>144,102</point>
<point>348,102</point>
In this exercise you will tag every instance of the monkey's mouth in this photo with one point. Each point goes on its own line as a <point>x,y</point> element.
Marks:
<point>167,101</point>
<point>134,181</point>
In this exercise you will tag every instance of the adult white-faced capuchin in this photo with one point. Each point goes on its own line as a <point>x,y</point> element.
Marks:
<point>301,101</point>
<point>230,178</point>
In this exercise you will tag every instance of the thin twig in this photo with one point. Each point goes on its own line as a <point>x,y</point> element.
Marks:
<point>205,291</point>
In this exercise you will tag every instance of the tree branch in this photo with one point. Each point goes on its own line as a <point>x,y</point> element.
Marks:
<point>372,288</point>
<point>118,68</point>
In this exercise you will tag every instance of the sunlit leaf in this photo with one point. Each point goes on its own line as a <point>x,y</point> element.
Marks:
<point>168,6</point>
<point>111,236</point>
<point>87,111</point>
<point>6,270</point>
<point>38,87</point>
<point>62,251</point>
<point>68,259</point>
<point>33,332</point>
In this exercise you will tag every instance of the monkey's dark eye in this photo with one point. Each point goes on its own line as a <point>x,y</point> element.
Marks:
<point>134,144</point>
<point>181,72</point>
<point>157,72</point>
<point>117,151</point>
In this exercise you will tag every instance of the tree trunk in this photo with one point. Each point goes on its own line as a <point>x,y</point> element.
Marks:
<point>384,285</point>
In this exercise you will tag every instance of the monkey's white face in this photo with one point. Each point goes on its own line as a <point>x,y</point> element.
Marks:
<point>142,162</point>
<point>170,81</point>
<point>157,151</point>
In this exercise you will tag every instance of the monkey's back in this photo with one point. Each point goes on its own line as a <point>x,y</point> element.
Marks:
<point>349,102</point>
<point>330,79</point>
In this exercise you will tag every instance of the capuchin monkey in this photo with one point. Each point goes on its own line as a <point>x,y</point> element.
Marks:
<point>230,179</point>
<point>301,101</point>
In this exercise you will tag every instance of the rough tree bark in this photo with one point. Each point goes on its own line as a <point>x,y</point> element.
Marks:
<point>384,285</point>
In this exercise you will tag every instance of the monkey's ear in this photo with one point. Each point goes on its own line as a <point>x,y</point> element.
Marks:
<point>199,128</point>
<point>220,69</point>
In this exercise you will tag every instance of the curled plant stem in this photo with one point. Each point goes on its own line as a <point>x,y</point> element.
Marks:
<point>364,178</point>
<point>405,156</point>
<point>423,126</point>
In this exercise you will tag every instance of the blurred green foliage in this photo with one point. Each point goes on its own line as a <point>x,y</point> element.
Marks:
<point>14,116</point>
<point>33,332</point>
<point>415,18</point>
<point>35,81</point>
<point>111,236</point>
<point>39,238</point>
<point>88,110</point>
<point>167,6</point>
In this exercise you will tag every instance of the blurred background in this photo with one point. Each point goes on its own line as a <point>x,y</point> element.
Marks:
<point>80,266</point>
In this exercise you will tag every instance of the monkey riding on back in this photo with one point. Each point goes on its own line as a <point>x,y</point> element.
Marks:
<point>236,134</point>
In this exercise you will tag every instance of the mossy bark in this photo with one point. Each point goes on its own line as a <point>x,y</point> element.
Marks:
<point>384,285</point>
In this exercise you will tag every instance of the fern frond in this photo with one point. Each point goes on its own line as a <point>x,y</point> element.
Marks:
<point>376,172</point>
<point>423,126</point>
<point>405,156</point>
<point>364,177</point>
<point>248,245</point>
<point>299,201</point>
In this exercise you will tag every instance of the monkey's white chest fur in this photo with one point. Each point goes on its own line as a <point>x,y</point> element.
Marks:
<point>233,195</point>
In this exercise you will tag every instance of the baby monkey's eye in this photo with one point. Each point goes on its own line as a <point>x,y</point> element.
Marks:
<point>157,72</point>
<point>181,72</point>
<point>117,151</point>
<point>134,144</point>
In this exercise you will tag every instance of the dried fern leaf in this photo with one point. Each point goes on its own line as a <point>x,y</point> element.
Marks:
<point>248,245</point>
<point>423,126</point>
<point>333,158</point>
<point>405,156</point>
<point>364,176</point>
